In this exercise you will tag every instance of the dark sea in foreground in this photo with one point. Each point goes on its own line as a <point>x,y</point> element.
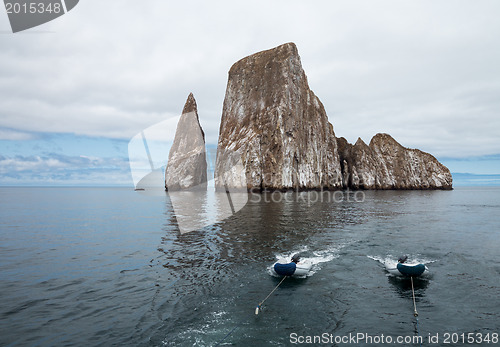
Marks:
<point>109,267</point>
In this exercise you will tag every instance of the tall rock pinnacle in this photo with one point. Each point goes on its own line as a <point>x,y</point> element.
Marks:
<point>187,165</point>
<point>276,125</point>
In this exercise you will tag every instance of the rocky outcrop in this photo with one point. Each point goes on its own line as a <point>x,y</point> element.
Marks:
<point>385,164</point>
<point>187,165</point>
<point>275,125</point>
<point>275,134</point>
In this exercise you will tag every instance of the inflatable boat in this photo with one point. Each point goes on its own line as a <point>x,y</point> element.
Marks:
<point>301,269</point>
<point>411,270</point>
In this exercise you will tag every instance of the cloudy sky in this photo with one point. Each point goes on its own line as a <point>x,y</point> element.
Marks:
<point>74,91</point>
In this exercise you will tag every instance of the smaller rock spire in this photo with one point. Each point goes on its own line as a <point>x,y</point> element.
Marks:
<point>187,165</point>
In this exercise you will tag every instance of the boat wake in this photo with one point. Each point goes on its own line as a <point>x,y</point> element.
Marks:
<point>313,258</point>
<point>391,261</point>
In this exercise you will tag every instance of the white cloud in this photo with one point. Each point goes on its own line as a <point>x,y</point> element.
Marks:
<point>424,71</point>
<point>62,169</point>
<point>12,135</point>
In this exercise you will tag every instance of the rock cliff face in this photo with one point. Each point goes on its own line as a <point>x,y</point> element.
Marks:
<point>187,165</point>
<point>276,126</point>
<point>275,134</point>
<point>385,164</point>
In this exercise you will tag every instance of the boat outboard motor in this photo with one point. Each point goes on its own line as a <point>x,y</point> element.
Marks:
<point>402,259</point>
<point>296,258</point>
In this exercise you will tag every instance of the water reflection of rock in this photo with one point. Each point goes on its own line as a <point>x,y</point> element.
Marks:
<point>236,238</point>
<point>275,222</point>
<point>227,248</point>
<point>197,209</point>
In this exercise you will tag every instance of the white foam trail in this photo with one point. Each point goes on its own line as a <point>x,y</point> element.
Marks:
<point>317,258</point>
<point>390,261</point>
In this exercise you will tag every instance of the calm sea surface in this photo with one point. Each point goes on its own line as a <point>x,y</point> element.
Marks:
<point>89,267</point>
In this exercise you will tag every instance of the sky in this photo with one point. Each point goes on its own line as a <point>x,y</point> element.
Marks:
<point>76,90</point>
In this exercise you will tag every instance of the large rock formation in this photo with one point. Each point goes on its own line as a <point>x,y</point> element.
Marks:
<point>187,165</point>
<point>275,134</point>
<point>276,126</point>
<point>385,164</point>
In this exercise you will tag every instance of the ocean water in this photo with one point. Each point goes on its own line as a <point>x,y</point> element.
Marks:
<point>108,266</point>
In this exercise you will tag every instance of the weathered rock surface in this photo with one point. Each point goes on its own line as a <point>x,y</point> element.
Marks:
<point>275,134</point>
<point>187,165</point>
<point>385,164</point>
<point>276,126</point>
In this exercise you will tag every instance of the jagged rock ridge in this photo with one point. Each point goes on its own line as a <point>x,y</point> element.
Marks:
<point>385,164</point>
<point>276,125</point>
<point>187,165</point>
